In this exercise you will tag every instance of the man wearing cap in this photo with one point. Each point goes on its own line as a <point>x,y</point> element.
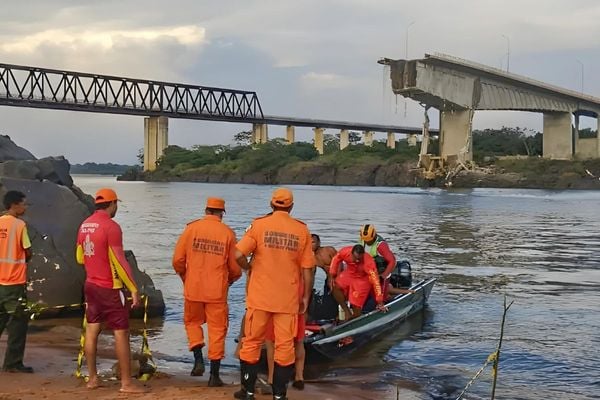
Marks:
<point>282,259</point>
<point>205,260</point>
<point>100,250</point>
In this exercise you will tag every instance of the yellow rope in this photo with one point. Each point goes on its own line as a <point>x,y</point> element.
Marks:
<point>491,358</point>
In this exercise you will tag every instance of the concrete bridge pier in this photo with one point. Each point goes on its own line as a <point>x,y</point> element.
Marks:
<point>156,140</point>
<point>344,139</point>
<point>598,136</point>
<point>455,134</point>
<point>260,133</point>
<point>319,140</point>
<point>290,134</point>
<point>256,128</point>
<point>391,140</point>
<point>558,136</point>
<point>368,138</point>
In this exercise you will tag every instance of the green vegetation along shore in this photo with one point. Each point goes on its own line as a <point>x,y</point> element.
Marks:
<point>276,162</point>
<point>100,169</point>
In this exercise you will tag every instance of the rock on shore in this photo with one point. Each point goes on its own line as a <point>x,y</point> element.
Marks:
<point>57,208</point>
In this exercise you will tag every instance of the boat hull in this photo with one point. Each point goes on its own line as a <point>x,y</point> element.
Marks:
<point>344,339</point>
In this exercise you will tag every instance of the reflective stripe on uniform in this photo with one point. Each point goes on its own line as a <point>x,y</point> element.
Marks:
<point>11,249</point>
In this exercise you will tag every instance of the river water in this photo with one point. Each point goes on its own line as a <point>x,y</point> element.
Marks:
<point>539,248</point>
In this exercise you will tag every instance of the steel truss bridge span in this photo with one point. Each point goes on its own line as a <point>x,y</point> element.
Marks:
<point>23,86</point>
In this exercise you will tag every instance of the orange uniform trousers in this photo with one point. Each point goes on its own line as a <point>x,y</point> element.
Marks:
<point>216,316</point>
<point>256,323</point>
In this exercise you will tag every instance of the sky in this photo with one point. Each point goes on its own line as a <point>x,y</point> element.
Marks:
<point>304,58</point>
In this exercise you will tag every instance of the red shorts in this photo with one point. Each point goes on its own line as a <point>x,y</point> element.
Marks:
<point>300,332</point>
<point>356,290</point>
<point>106,305</point>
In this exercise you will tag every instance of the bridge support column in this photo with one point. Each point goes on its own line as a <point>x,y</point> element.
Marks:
<point>156,140</point>
<point>319,140</point>
<point>368,138</point>
<point>411,140</point>
<point>455,134</point>
<point>598,136</point>
<point>391,140</point>
<point>344,139</point>
<point>575,136</point>
<point>260,133</point>
<point>558,136</point>
<point>290,134</point>
<point>256,128</point>
<point>264,133</point>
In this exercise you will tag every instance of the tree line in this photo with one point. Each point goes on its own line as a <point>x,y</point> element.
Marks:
<point>245,157</point>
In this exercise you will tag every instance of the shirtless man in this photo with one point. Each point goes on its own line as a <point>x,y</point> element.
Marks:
<point>323,255</point>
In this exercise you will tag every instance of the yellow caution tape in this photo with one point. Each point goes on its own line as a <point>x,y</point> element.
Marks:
<point>145,347</point>
<point>78,373</point>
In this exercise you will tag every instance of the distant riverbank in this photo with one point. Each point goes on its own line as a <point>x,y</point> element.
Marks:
<point>533,173</point>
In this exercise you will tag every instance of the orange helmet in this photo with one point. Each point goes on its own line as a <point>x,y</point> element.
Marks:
<point>368,233</point>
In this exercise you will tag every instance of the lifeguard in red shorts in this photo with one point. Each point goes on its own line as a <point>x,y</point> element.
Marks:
<point>354,284</point>
<point>100,250</point>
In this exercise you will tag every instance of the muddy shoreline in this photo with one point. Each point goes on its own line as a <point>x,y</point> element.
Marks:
<point>53,345</point>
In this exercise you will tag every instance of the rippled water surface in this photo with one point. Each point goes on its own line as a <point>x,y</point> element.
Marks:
<point>540,248</point>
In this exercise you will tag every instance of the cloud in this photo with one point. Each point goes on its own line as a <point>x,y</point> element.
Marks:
<point>313,59</point>
<point>323,81</point>
<point>75,39</point>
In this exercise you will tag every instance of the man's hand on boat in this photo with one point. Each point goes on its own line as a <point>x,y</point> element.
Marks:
<point>381,307</point>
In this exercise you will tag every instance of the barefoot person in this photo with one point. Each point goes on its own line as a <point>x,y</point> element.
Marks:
<point>204,258</point>
<point>100,250</point>
<point>282,257</point>
<point>15,251</point>
<point>354,284</point>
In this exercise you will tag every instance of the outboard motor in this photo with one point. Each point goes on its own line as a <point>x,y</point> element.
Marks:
<point>402,275</point>
<point>322,307</point>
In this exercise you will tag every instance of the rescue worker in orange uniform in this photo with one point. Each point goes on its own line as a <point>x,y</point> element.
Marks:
<point>299,350</point>
<point>100,250</point>
<point>355,282</point>
<point>15,252</point>
<point>205,260</point>
<point>282,259</point>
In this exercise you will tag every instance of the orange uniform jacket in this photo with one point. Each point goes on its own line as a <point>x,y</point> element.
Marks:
<point>205,255</point>
<point>14,240</point>
<point>365,270</point>
<point>281,247</point>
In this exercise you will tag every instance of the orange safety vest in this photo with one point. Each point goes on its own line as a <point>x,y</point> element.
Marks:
<point>13,266</point>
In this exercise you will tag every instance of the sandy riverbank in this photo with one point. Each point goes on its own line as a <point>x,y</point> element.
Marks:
<point>52,352</point>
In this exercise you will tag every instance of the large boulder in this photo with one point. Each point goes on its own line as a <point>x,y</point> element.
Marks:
<point>10,151</point>
<point>56,210</point>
